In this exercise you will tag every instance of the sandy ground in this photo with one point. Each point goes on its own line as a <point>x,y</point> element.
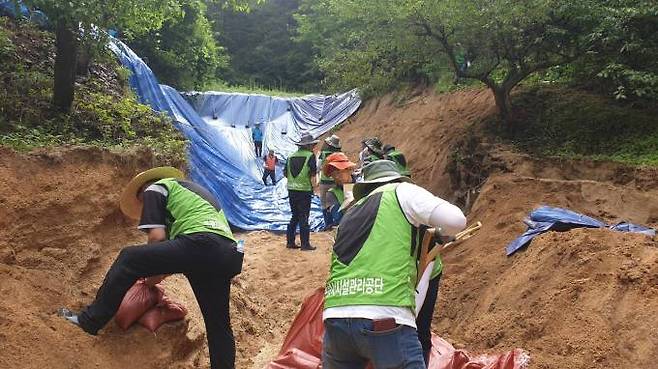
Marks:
<point>580,300</point>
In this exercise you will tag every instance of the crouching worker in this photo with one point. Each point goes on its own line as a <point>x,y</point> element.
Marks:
<point>187,233</point>
<point>340,168</point>
<point>369,311</point>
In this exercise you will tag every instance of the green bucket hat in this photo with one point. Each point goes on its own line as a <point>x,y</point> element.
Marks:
<point>377,172</point>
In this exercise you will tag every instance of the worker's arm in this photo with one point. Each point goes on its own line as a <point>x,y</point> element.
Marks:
<point>152,221</point>
<point>421,207</point>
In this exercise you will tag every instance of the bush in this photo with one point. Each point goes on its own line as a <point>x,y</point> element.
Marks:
<point>579,124</point>
<point>105,113</point>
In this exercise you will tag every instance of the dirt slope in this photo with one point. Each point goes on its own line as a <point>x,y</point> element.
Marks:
<point>60,229</point>
<point>582,299</point>
<point>423,128</point>
<point>579,299</point>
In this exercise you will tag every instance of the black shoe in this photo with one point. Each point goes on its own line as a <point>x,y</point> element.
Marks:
<point>308,248</point>
<point>293,246</point>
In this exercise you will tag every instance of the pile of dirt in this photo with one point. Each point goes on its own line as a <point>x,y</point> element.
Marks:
<point>60,229</point>
<point>581,299</point>
<point>424,129</point>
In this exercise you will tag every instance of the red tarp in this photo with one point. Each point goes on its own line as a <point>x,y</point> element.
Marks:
<point>302,347</point>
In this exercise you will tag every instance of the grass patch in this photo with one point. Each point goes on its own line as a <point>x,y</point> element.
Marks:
<point>251,89</point>
<point>576,124</point>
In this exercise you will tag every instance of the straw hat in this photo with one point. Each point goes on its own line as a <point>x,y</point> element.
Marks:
<point>130,205</point>
<point>377,172</point>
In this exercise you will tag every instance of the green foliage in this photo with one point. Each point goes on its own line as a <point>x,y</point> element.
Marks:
<point>133,17</point>
<point>625,60</point>
<point>262,48</point>
<point>366,44</point>
<point>378,44</point>
<point>104,113</point>
<point>576,124</point>
<point>183,53</point>
<point>251,88</point>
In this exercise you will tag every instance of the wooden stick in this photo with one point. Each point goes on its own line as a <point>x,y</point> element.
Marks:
<point>427,257</point>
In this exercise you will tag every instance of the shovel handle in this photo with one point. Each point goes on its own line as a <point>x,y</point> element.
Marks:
<point>427,257</point>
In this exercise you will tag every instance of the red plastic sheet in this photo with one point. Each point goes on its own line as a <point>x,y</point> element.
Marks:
<point>302,347</point>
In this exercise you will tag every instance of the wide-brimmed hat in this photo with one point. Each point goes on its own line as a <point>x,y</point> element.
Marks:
<point>377,172</point>
<point>375,145</point>
<point>337,160</point>
<point>129,203</point>
<point>333,141</point>
<point>307,139</point>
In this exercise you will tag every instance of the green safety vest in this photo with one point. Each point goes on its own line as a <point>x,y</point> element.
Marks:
<point>190,213</point>
<point>324,179</point>
<point>338,192</point>
<point>303,180</point>
<point>396,156</point>
<point>438,267</point>
<point>372,262</point>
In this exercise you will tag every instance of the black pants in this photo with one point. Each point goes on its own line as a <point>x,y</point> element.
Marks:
<point>300,206</point>
<point>258,148</point>
<point>269,173</point>
<point>424,318</point>
<point>209,261</point>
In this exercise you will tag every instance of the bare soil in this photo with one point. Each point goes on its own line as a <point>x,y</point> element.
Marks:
<point>581,299</point>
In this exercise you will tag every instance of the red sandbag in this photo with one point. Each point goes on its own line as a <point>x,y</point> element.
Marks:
<point>302,347</point>
<point>139,298</point>
<point>165,311</point>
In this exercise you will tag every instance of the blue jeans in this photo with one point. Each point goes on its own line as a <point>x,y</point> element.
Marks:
<point>350,343</point>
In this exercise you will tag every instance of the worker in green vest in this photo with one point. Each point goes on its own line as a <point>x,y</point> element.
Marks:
<point>371,150</point>
<point>187,233</point>
<point>338,167</point>
<point>330,146</point>
<point>394,155</point>
<point>301,169</point>
<point>369,312</point>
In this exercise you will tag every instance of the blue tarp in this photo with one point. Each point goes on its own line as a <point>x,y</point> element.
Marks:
<point>548,218</point>
<point>8,8</point>
<point>221,154</point>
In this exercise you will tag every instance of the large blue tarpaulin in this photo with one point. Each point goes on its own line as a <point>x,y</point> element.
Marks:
<point>547,218</point>
<point>221,154</point>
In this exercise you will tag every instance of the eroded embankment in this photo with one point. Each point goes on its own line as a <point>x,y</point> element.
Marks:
<point>581,299</point>
<point>60,229</point>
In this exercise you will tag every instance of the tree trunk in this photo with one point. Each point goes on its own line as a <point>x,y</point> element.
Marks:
<point>503,102</point>
<point>66,45</point>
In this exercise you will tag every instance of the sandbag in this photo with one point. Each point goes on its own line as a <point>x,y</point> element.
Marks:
<point>137,301</point>
<point>165,311</point>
